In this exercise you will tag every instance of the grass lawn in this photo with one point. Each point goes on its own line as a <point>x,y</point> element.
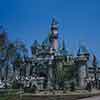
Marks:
<point>3,98</point>
<point>9,94</point>
<point>12,95</point>
<point>8,98</point>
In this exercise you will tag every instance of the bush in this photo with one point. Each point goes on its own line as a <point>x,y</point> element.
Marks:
<point>30,90</point>
<point>72,86</point>
<point>15,85</point>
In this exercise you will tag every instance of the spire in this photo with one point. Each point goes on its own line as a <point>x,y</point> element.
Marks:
<point>54,31</point>
<point>54,25</point>
<point>49,37</point>
<point>63,44</point>
<point>54,22</point>
<point>94,59</point>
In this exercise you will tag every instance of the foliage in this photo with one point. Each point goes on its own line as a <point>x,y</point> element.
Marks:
<point>30,90</point>
<point>72,86</point>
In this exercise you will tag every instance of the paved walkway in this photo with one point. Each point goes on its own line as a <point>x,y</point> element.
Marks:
<point>92,98</point>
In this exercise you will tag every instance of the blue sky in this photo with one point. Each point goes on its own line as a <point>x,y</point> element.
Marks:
<point>79,21</point>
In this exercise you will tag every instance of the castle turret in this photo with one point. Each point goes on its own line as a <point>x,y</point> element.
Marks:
<point>54,31</point>
<point>83,54</point>
<point>82,58</point>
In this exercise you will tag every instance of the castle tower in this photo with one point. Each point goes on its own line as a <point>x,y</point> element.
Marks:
<point>83,57</point>
<point>54,31</point>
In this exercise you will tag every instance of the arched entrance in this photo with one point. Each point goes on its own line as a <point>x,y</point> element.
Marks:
<point>43,74</point>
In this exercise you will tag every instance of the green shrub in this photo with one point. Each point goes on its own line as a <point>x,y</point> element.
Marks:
<point>72,86</point>
<point>30,90</point>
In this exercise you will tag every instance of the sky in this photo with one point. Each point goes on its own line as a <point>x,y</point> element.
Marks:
<point>28,20</point>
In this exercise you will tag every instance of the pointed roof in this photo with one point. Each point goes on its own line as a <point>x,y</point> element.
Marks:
<point>82,50</point>
<point>54,22</point>
<point>94,59</point>
<point>35,43</point>
<point>47,41</point>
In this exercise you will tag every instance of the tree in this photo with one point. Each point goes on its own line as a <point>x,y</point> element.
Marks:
<point>3,46</point>
<point>10,57</point>
<point>21,56</point>
<point>65,71</point>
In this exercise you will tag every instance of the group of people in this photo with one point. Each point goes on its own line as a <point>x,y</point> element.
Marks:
<point>90,84</point>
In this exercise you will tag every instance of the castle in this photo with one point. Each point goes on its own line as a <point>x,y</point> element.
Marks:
<point>50,67</point>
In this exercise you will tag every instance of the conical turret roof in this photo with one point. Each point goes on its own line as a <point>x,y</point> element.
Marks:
<point>82,50</point>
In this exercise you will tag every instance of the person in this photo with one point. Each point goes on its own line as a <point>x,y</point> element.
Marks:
<point>89,87</point>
